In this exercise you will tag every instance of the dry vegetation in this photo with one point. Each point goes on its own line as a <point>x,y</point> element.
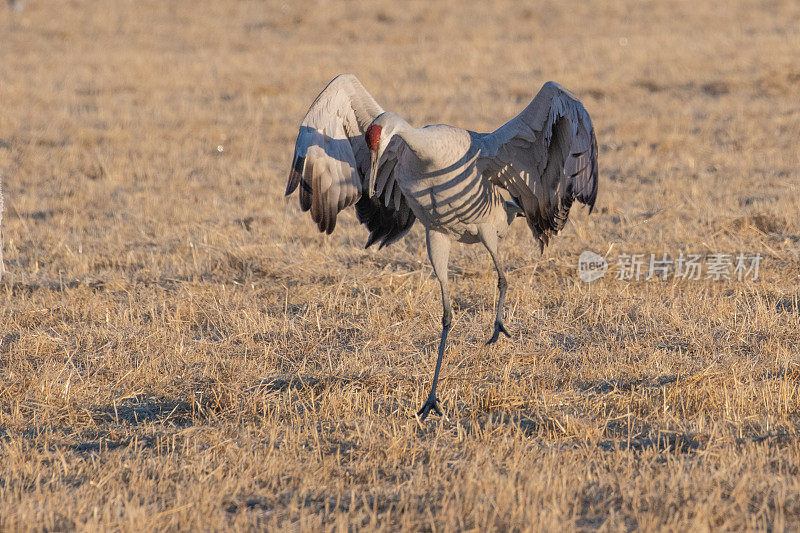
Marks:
<point>179,347</point>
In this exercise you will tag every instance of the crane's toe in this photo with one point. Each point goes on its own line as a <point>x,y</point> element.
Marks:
<point>432,403</point>
<point>498,328</point>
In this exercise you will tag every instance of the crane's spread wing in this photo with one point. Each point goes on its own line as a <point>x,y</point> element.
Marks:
<point>545,157</point>
<point>386,214</point>
<point>331,164</point>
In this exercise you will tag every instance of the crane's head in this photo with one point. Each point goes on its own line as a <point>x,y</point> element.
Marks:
<point>378,135</point>
<point>373,138</point>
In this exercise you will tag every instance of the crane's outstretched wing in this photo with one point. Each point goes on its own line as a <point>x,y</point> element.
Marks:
<point>331,164</point>
<point>545,157</point>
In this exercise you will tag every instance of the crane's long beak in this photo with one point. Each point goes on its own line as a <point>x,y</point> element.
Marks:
<point>373,172</point>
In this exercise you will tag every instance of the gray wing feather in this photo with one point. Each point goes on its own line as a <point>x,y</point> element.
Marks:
<point>546,157</point>
<point>331,162</point>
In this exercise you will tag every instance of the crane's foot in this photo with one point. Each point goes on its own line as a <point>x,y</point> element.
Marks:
<point>498,328</point>
<point>432,403</point>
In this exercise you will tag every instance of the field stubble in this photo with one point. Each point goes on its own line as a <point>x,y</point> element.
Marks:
<point>179,347</point>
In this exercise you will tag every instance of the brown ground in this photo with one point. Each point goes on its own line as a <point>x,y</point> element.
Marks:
<point>180,348</point>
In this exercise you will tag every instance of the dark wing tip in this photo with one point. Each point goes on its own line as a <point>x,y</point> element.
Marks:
<point>295,175</point>
<point>385,225</point>
<point>294,181</point>
<point>586,180</point>
<point>332,225</point>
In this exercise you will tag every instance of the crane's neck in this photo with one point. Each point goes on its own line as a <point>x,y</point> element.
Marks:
<point>419,140</point>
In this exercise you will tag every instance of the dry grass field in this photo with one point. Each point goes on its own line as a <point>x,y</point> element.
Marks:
<point>181,349</point>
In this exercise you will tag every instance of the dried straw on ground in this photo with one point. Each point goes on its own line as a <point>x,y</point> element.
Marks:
<point>172,355</point>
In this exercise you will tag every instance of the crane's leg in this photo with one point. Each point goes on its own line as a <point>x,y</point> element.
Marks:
<point>488,237</point>
<point>439,253</point>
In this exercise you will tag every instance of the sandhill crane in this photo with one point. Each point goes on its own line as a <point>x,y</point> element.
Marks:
<point>15,5</point>
<point>349,151</point>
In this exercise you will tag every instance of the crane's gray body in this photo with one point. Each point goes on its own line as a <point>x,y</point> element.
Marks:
<point>445,188</point>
